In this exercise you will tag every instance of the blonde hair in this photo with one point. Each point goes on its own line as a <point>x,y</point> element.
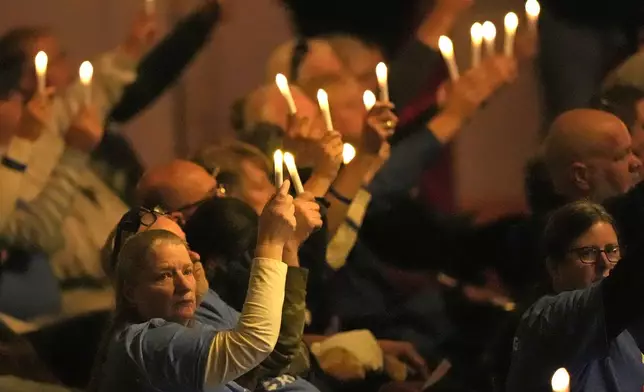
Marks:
<point>227,157</point>
<point>131,260</point>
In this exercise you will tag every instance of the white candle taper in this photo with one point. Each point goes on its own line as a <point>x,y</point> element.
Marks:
<point>85,72</point>
<point>369,99</point>
<point>348,153</point>
<point>40,62</point>
<point>532,11</point>
<point>289,160</point>
<point>561,381</point>
<point>489,34</point>
<point>381,74</point>
<point>323,102</point>
<point>278,162</point>
<point>150,7</point>
<point>476,33</point>
<point>511,23</point>
<point>447,49</point>
<point>282,85</point>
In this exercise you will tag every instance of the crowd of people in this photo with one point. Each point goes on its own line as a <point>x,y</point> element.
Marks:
<point>208,273</point>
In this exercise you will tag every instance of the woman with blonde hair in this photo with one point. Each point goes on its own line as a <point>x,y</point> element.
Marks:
<point>155,344</point>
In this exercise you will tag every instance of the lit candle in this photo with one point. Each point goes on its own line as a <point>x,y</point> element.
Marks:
<point>369,99</point>
<point>85,72</point>
<point>282,85</point>
<point>41,71</point>
<point>532,10</point>
<point>561,381</point>
<point>447,49</point>
<point>511,22</point>
<point>381,73</point>
<point>278,161</point>
<point>289,160</point>
<point>348,153</point>
<point>489,33</point>
<point>150,7</point>
<point>323,101</point>
<point>476,32</point>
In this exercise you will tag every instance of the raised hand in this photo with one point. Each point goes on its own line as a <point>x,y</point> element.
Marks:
<point>307,215</point>
<point>380,124</point>
<point>328,155</point>
<point>477,85</point>
<point>35,116</point>
<point>142,35</point>
<point>86,130</point>
<point>277,222</point>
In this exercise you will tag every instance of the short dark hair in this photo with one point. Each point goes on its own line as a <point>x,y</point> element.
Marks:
<point>620,100</point>
<point>567,224</point>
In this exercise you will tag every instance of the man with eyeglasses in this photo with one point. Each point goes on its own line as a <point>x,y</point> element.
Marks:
<point>178,188</point>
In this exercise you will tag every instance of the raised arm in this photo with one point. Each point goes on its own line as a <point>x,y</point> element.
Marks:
<point>165,62</point>
<point>36,223</point>
<point>417,61</point>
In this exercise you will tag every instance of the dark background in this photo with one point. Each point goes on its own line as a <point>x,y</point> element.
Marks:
<point>386,23</point>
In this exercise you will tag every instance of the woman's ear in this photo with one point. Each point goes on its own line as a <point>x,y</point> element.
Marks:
<point>128,294</point>
<point>553,269</point>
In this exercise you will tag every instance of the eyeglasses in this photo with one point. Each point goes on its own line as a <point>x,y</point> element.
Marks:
<point>130,224</point>
<point>590,254</point>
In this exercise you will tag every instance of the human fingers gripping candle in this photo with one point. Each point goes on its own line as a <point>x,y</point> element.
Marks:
<point>561,381</point>
<point>381,74</point>
<point>369,100</point>
<point>278,161</point>
<point>511,23</point>
<point>532,11</point>
<point>489,34</point>
<point>348,153</point>
<point>85,72</point>
<point>447,49</point>
<point>289,160</point>
<point>476,33</point>
<point>282,85</point>
<point>323,102</point>
<point>40,62</point>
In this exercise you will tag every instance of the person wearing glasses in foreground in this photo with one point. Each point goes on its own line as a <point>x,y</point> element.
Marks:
<point>155,344</point>
<point>592,322</point>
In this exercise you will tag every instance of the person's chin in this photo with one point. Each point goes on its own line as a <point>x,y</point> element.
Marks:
<point>185,310</point>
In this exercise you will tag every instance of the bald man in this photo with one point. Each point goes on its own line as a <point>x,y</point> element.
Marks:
<point>588,155</point>
<point>177,187</point>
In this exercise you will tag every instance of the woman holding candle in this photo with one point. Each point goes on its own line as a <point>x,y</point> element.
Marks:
<point>591,324</point>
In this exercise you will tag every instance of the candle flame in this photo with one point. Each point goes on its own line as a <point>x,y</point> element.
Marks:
<point>278,156</point>
<point>348,153</point>
<point>289,159</point>
<point>323,98</point>
<point>85,72</point>
<point>381,72</point>
<point>282,82</point>
<point>369,99</point>
<point>476,32</point>
<point>532,8</point>
<point>489,31</point>
<point>560,381</point>
<point>511,21</point>
<point>41,62</point>
<point>445,45</point>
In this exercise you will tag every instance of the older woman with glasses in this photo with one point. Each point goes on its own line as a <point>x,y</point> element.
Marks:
<point>591,325</point>
<point>155,344</point>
